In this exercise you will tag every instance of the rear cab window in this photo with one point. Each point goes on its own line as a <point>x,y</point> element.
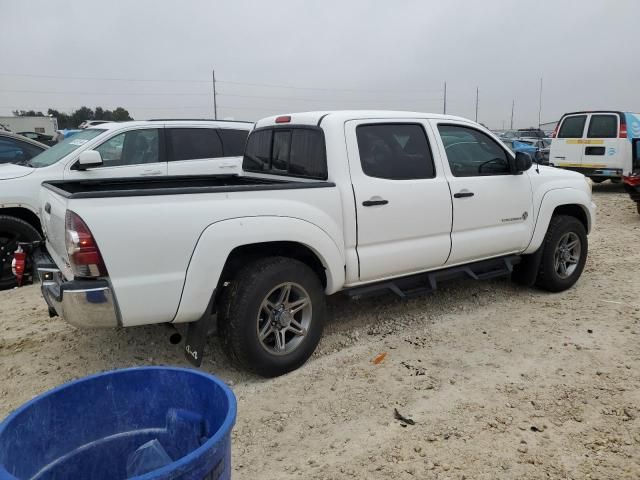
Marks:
<point>603,126</point>
<point>572,127</point>
<point>297,151</point>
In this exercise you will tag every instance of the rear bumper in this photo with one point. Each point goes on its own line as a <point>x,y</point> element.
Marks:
<point>633,191</point>
<point>594,172</point>
<point>83,303</point>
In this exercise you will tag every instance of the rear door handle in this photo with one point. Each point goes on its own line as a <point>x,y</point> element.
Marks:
<point>462,194</point>
<point>371,203</point>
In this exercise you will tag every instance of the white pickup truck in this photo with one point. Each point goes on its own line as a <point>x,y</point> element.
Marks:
<point>328,201</point>
<point>147,148</point>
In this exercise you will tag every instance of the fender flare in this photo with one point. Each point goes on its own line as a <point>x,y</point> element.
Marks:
<point>550,201</point>
<point>219,239</point>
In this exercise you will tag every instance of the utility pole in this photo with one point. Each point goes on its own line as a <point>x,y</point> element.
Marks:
<point>513,103</point>
<point>476,104</point>
<point>444,109</point>
<point>215,105</point>
<point>540,109</point>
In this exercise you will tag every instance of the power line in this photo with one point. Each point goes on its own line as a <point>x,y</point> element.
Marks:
<point>329,99</point>
<point>111,79</point>
<point>230,82</point>
<point>110,93</point>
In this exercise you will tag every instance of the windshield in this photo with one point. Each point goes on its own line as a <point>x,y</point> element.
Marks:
<point>64,148</point>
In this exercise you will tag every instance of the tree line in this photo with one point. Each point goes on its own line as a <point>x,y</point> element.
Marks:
<point>72,120</point>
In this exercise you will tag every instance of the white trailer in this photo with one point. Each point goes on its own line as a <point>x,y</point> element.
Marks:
<point>46,125</point>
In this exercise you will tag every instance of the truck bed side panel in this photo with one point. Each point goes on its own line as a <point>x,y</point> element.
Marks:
<point>152,265</point>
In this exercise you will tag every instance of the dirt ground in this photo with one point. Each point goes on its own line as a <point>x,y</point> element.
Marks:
<point>501,381</point>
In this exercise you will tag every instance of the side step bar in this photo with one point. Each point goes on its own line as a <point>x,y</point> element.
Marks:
<point>428,282</point>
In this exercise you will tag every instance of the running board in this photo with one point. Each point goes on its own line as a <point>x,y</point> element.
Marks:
<point>405,287</point>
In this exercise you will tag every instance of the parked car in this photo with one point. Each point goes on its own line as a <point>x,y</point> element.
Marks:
<point>93,123</point>
<point>632,186</point>
<point>328,201</point>
<point>16,149</point>
<point>537,148</point>
<point>530,133</point>
<point>39,137</point>
<point>127,149</point>
<point>601,144</point>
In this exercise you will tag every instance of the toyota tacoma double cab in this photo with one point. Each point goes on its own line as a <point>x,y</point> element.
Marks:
<point>354,201</point>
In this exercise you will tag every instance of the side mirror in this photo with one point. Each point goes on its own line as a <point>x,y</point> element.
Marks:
<point>522,162</point>
<point>89,159</point>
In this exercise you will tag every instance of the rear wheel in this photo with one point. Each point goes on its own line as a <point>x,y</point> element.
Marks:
<point>271,315</point>
<point>12,231</point>
<point>564,254</point>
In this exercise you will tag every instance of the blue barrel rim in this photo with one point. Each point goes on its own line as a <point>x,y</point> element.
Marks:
<point>224,429</point>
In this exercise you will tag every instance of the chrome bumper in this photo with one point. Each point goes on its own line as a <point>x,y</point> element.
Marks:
<point>83,303</point>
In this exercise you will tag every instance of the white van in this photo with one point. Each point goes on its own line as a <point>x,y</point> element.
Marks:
<point>600,144</point>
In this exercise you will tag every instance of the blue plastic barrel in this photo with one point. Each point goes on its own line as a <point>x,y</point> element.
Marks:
<point>103,426</point>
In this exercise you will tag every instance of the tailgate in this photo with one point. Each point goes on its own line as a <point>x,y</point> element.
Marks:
<point>53,208</point>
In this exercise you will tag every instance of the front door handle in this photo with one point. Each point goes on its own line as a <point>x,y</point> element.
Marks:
<point>463,194</point>
<point>372,202</point>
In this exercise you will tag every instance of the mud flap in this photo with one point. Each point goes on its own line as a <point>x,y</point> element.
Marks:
<point>197,334</point>
<point>526,272</point>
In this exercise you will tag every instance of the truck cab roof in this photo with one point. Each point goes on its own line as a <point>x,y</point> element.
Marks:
<point>341,116</point>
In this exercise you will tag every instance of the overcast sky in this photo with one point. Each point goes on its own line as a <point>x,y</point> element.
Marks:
<point>155,57</point>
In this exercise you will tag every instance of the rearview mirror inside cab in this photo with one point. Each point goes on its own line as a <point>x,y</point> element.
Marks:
<point>522,162</point>
<point>89,159</point>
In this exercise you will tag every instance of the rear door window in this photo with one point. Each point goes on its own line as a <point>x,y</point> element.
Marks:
<point>233,141</point>
<point>603,126</point>
<point>395,151</point>
<point>194,143</point>
<point>295,151</point>
<point>572,127</point>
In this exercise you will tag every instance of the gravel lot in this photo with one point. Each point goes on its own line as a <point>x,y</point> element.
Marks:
<point>501,381</point>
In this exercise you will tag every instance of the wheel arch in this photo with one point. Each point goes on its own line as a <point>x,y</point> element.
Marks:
<point>223,248</point>
<point>24,214</point>
<point>566,201</point>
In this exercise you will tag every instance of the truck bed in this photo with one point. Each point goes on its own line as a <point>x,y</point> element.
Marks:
<point>173,185</point>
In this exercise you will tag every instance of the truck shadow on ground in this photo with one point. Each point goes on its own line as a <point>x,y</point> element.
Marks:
<point>349,320</point>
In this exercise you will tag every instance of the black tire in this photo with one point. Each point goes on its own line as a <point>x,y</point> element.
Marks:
<point>597,179</point>
<point>12,231</point>
<point>240,305</point>
<point>548,278</point>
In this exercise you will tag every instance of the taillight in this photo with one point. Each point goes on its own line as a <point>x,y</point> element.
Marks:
<point>555,130</point>
<point>623,127</point>
<point>19,264</point>
<point>84,254</point>
<point>632,180</point>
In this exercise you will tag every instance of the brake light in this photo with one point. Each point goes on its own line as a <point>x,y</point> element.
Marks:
<point>19,264</point>
<point>84,254</point>
<point>283,119</point>
<point>623,127</point>
<point>632,180</point>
